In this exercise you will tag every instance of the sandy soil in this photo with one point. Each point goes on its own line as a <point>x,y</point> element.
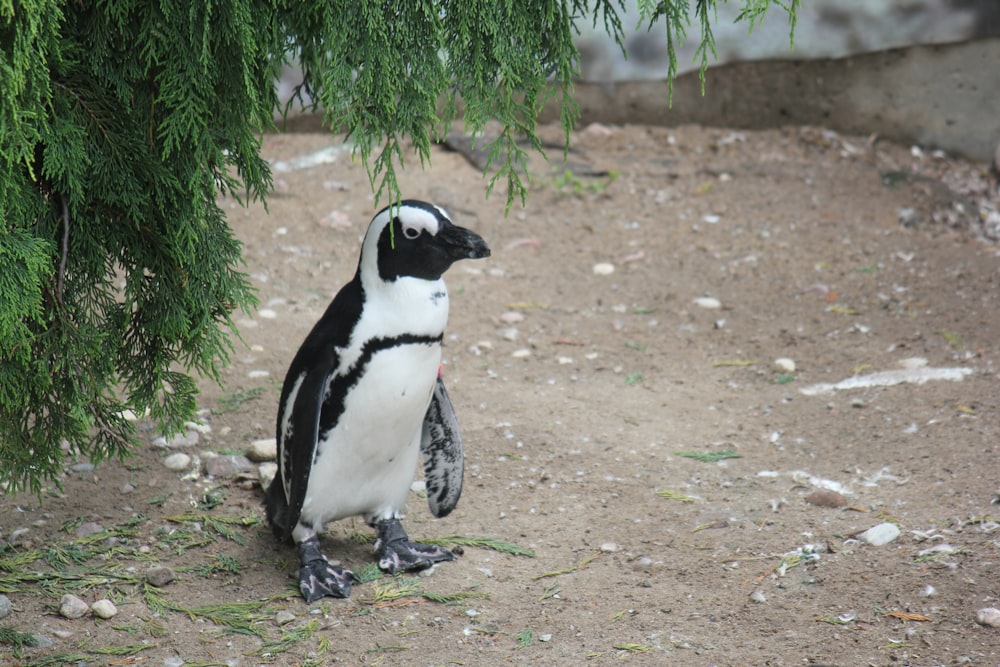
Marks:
<point>576,390</point>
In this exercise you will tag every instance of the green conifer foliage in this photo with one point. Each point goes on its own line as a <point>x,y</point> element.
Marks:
<point>122,123</point>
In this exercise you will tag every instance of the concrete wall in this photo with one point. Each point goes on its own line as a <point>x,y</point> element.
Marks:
<point>945,96</point>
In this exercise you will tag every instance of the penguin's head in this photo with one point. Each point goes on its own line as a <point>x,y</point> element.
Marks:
<point>417,240</point>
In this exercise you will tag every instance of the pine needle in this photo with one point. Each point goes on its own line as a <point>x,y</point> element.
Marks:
<point>673,495</point>
<point>17,640</point>
<point>483,542</point>
<point>130,649</point>
<point>711,457</point>
<point>386,592</point>
<point>633,648</point>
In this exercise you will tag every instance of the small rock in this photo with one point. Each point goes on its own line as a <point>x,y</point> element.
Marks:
<point>881,534</point>
<point>758,596</point>
<point>826,498</point>
<point>126,489</point>
<point>5,606</point>
<point>913,362</point>
<point>41,641</point>
<point>512,317</point>
<point>267,472</point>
<point>785,365</point>
<point>643,564</point>
<point>227,465</point>
<point>603,269</point>
<point>263,450</point>
<point>907,216</point>
<point>711,303</point>
<point>988,616</point>
<point>547,637</point>
<point>200,427</point>
<point>71,606</point>
<point>88,528</point>
<point>510,333</point>
<point>82,467</point>
<point>159,576</point>
<point>177,461</point>
<point>104,609</point>
<point>522,353</point>
<point>187,439</point>
<point>609,547</point>
<point>284,617</point>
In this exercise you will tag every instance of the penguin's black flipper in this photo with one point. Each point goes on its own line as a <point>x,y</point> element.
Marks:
<point>441,449</point>
<point>298,432</point>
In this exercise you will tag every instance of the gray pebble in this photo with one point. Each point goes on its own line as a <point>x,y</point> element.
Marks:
<point>186,439</point>
<point>227,465</point>
<point>71,606</point>
<point>82,467</point>
<point>907,216</point>
<point>159,576</point>
<point>41,641</point>
<point>643,564</point>
<point>284,617</point>
<point>5,606</point>
<point>88,528</point>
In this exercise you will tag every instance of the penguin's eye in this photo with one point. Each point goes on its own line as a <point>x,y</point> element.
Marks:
<point>411,232</point>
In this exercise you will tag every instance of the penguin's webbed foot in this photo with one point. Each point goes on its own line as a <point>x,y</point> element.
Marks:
<point>396,553</point>
<point>317,578</point>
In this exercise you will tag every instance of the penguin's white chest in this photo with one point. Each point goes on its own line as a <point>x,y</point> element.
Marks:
<point>366,462</point>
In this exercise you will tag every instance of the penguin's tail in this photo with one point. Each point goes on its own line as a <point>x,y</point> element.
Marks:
<point>276,510</point>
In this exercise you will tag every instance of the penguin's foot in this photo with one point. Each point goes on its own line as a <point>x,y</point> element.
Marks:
<point>397,553</point>
<point>317,578</point>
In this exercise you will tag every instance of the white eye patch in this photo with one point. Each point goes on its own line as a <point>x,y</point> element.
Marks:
<point>415,220</point>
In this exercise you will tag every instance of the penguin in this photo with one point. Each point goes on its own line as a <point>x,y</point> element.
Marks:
<point>363,399</point>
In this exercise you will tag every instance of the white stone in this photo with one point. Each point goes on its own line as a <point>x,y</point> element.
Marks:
<point>609,547</point>
<point>187,439</point>
<point>263,450</point>
<point>881,534</point>
<point>785,365</point>
<point>523,353</point>
<point>177,462</point>
<point>267,472</point>
<point>603,269</point>
<point>988,616</point>
<point>708,302</point>
<point>200,427</point>
<point>104,609</point>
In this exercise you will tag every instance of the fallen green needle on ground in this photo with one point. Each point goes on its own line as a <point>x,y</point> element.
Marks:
<point>710,457</point>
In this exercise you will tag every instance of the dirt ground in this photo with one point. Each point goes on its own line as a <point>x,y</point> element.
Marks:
<point>581,367</point>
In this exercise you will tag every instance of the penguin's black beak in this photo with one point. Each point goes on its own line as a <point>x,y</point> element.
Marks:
<point>462,243</point>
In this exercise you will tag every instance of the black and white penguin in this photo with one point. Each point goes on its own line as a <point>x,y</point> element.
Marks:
<point>363,398</point>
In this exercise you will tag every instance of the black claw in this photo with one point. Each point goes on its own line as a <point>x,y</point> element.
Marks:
<point>317,578</point>
<point>397,553</point>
